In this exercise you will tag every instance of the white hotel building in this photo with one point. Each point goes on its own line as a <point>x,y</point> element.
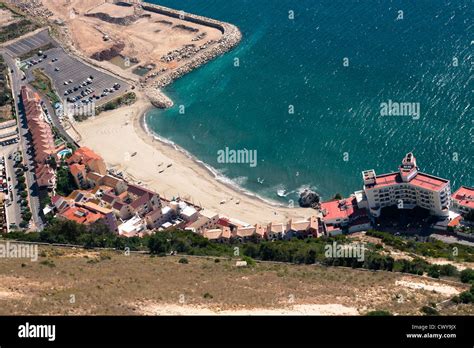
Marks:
<point>406,189</point>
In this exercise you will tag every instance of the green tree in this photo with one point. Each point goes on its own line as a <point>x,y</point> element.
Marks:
<point>434,271</point>
<point>467,275</point>
<point>427,310</point>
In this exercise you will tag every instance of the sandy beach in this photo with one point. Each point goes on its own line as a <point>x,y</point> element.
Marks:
<point>118,134</point>
<point>301,309</point>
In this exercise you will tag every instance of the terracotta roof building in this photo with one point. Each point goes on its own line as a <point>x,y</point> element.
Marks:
<point>42,137</point>
<point>463,199</point>
<point>90,159</point>
<point>406,189</point>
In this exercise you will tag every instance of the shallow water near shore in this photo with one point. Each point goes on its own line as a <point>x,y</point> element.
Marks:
<point>336,130</point>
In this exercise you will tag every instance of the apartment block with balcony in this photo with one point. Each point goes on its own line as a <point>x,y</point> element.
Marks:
<point>408,188</point>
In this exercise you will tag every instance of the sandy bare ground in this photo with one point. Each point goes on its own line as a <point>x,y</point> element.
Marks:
<point>305,309</point>
<point>432,286</point>
<point>6,18</point>
<point>118,134</point>
<point>459,265</point>
<point>113,283</point>
<point>147,39</point>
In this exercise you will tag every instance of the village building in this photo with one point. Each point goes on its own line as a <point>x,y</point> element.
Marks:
<point>463,200</point>
<point>42,138</point>
<point>91,160</point>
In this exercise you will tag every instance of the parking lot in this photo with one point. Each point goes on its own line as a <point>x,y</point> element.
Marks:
<point>28,44</point>
<point>75,81</point>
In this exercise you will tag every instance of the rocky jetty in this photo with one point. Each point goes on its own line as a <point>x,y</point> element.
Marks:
<point>199,55</point>
<point>158,99</point>
<point>308,198</point>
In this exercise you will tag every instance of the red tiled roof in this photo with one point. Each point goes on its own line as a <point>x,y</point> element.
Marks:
<point>223,222</point>
<point>138,190</point>
<point>465,196</point>
<point>428,182</point>
<point>80,215</point>
<point>422,180</point>
<point>42,136</point>
<point>338,209</point>
<point>108,197</point>
<point>118,205</point>
<point>455,221</point>
<point>55,199</point>
<point>76,168</point>
<point>83,155</point>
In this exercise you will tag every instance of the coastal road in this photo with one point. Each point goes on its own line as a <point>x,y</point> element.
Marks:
<point>13,211</point>
<point>25,144</point>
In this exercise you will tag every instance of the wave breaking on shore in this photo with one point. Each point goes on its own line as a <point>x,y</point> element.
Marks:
<point>217,174</point>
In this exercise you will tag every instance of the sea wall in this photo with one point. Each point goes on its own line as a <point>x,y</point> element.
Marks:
<point>231,36</point>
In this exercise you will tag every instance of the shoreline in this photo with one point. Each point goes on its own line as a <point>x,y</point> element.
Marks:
<point>164,166</point>
<point>187,177</point>
<point>211,170</point>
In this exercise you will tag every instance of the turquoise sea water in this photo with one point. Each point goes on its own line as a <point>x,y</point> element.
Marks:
<point>336,109</point>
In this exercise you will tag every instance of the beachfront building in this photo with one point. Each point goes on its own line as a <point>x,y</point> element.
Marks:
<point>42,138</point>
<point>463,200</point>
<point>95,179</point>
<point>135,200</point>
<point>205,220</point>
<point>407,188</point>
<point>188,213</point>
<point>243,234</point>
<point>158,217</point>
<point>87,214</point>
<point>132,227</point>
<point>212,216</point>
<point>219,235</point>
<point>311,227</point>
<point>344,214</point>
<point>275,231</point>
<point>91,160</point>
<point>107,216</point>
<point>78,172</point>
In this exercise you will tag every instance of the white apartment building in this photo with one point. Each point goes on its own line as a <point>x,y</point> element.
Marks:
<point>407,189</point>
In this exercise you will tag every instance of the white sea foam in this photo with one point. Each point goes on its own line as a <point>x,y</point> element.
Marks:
<point>218,174</point>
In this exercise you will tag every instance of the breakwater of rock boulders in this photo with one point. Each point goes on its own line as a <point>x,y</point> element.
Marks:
<point>231,36</point>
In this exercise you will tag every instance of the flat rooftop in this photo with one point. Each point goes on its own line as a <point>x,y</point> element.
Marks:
<point>421,180</point>
<point>429,182</point>
<point>465,196</point>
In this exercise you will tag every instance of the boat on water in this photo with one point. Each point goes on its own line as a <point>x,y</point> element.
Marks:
<point>281,193</point>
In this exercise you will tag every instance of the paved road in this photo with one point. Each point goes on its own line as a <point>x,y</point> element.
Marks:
<point>13,207</point>
<point>25,144</point>
<point>55,120</point>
